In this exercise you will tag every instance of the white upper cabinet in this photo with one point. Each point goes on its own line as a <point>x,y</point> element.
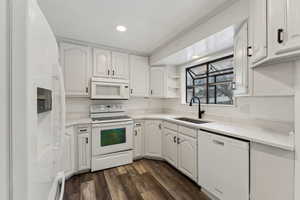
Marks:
<point>139,76</point>
<point>76,65</point>
<point>109,64</point>
<point>258,20</point>
<point>102,63</point>
<point>120,65</point>
<point>284,26</point>
<point>157,82</point>
<point>241,61</point>
<point>275,30</point>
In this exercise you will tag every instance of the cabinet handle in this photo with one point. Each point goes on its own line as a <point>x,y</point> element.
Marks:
<point>113,72</point>
<point>174,139</point>
<point>249,51</point>
<point>178,140</point>
<point>86,90</point>
<point>280,36</point>
<point>131,91</point>
<point>86,140</point>
<point>159,126</point>
<point>151,92</point>
<point>135,132</point>
<point>233,85</point>
<point>218,142</point>
<point>108,72</point>
<point>83,130</point>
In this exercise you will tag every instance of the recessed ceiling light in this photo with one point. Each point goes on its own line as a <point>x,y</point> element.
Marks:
<point>121,28</point>
<point>195,57</point>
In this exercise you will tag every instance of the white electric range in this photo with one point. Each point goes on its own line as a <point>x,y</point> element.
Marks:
<point>112,136</point>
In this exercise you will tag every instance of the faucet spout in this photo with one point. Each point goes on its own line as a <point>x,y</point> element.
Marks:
<point>200,112</point>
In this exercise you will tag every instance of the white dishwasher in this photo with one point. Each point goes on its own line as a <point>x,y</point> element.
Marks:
<point>223,166</point>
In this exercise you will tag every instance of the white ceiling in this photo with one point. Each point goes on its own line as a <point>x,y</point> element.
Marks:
<point>150,23</point>
<point>214,44</point>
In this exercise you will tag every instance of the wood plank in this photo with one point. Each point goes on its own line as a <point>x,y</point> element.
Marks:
<point>102,191</point>
<point>115,187</point>
<point>143,179</point>
<point>129,187</point>
<point>87,191</point>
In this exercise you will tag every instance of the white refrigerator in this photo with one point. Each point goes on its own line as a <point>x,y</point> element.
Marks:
<point>44,132</point>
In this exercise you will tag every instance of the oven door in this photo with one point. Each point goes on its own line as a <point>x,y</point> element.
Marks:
<point>112,137</point>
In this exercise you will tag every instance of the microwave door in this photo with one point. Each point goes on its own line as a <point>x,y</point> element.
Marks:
<point>102,90</point>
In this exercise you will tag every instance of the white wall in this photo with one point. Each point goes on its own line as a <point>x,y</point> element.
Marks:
<point>297,130</point>
<point>235,14</point>
<point>79,107</point>
<point>4,102</point>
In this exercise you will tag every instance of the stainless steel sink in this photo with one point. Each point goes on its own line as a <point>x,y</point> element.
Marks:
<point>195,121</point>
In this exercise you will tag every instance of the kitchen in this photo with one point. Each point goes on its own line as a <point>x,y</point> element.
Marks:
<point>117,102</point>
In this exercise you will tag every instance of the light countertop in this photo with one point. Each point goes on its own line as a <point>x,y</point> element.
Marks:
<point>262,135</point>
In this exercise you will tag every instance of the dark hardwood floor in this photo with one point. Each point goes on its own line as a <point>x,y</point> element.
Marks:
<point>144,179</point>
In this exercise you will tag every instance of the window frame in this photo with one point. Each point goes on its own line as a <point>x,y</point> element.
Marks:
<point>207,76</point>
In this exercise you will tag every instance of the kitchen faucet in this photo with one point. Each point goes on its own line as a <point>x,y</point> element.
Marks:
<point>199,106</point>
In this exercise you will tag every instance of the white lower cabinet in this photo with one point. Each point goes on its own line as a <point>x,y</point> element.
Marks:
<point>272,173</point>
<point>223,166</point>
<point>187,156</point>
<point>68,158</point>
<point>153,138</point>
<point>138,141</point>
<point>180,150</point>
<point>170,152</point>
<point>84,151</point>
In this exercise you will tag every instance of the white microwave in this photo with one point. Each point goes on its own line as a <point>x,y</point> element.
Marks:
<point>102,88</point>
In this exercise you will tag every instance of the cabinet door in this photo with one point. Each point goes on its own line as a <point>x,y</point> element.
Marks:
<point>120,65</point>
<point>138,142</point>
<point>84,151</point>
<point>153,137</point>
<point>170,146</point>
<point>284,27</point>
<point>75,61</point>
<point>139,76</point>
<point>241,61</point>
<point>102,63</point>
<point>292,26</point>
<point>157,82</point>
<point>187,156</point>
<point>68,159</point>
<point>258,18</point>
<point>268,165</point>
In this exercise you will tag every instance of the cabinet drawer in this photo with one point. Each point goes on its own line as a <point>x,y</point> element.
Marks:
<point>187,131</point>
<point>171,126</point>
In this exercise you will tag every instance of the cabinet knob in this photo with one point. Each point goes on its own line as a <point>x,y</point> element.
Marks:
<point>249,51</point>
<point>86,90</point>
<point>174,139</point>
<point>178,140</point>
